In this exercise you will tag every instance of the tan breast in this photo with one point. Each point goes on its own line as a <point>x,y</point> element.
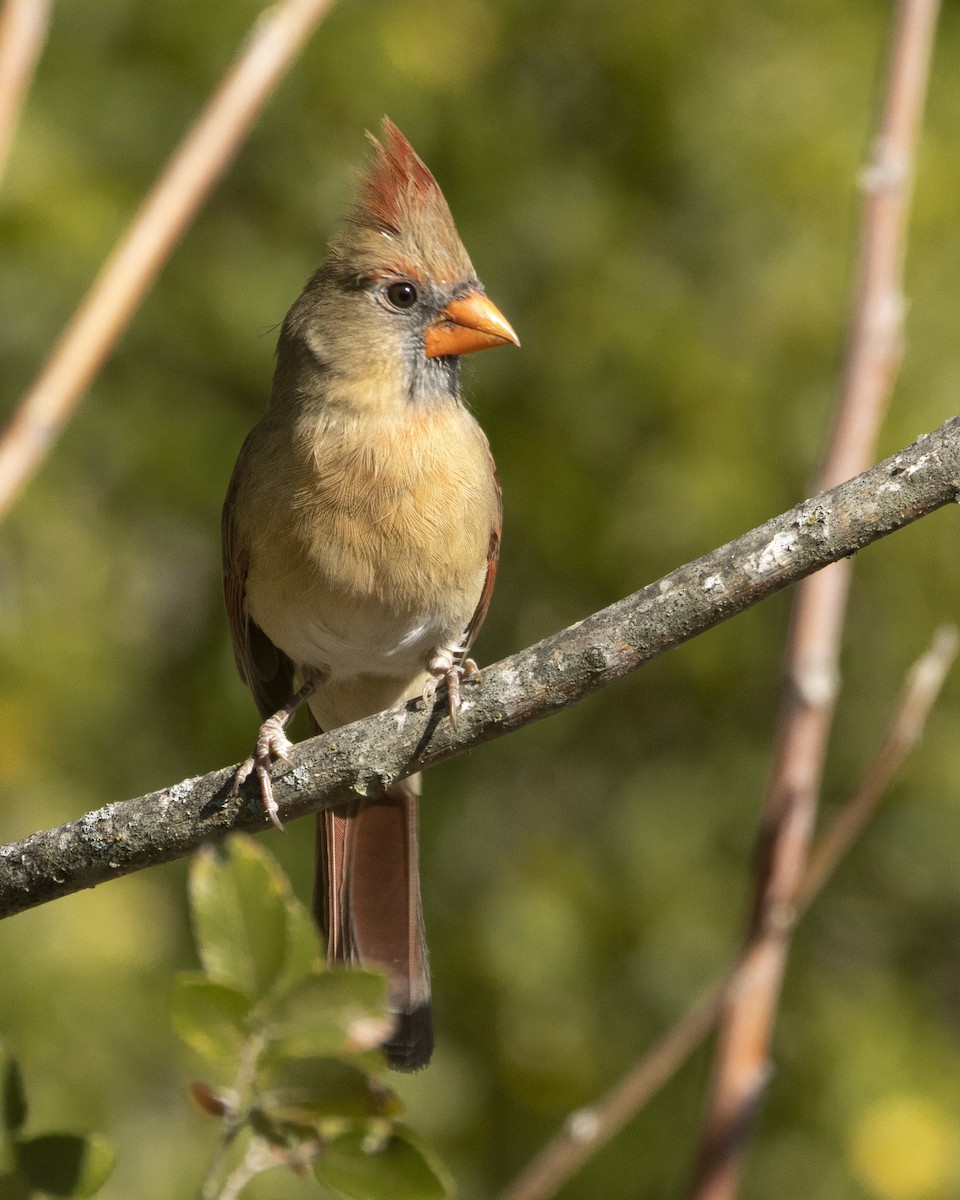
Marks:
<point>372,545</point>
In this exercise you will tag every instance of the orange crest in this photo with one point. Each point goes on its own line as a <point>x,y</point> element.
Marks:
<point>399,197</point>
<point>398,180</point>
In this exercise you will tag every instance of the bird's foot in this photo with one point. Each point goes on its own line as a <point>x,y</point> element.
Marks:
<point>272,745</point>
<point>447,672</point>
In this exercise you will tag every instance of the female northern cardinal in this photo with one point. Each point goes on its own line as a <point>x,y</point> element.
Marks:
<point>360,538</point>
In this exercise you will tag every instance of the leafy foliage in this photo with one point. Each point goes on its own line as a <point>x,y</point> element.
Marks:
<point>298,1041</point>
<point>49,1164</point>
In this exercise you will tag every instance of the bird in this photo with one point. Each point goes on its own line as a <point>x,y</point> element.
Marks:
<point>360,534</point>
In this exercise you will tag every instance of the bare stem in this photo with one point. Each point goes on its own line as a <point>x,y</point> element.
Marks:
<point>23,30</point>
<point>164,215</point>
<point>588,1129</point>
<point>922,686</point>
<point>257,1159</point>
<point>741,1067</point>
<point>233,1122</point>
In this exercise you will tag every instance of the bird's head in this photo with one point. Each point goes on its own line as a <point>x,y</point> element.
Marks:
<point>397,301</point>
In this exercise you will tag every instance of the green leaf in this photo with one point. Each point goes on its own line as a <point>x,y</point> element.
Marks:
<point>63,1164</point>
<point>13,1186</point>
<point>305,1091</point>
<point>210,1017</point>
<point>363,1167</point>
<point>303,951</point>
<point>13,1098</point>
<point>13,1114</point>
<point>338,1011</point>
<point>239,898</point>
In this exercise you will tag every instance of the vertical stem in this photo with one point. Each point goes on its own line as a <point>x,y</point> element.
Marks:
<point>586,1130</point>
<point>23,29</point>
<point>135,262</point>
<point>741,1066</point>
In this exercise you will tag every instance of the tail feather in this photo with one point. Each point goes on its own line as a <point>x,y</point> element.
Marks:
<point>368,903</point>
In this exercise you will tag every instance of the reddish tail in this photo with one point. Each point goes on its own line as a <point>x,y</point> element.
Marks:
<point>367,902</point>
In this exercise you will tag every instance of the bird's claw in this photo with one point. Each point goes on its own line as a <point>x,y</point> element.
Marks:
<point>450,674</point>
<point>272,745</point>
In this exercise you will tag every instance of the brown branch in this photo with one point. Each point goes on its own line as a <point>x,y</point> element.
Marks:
<point>741,1065</point>
<point>921,689</point>
<point>587,1129</point>
<point>535,683</point>
<point>276,38</point>
<point>23,30</point>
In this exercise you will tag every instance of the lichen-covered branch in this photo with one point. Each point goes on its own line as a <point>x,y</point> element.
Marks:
<point>549,676</point>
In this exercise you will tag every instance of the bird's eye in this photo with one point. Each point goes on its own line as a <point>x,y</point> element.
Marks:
<point>402,294</point>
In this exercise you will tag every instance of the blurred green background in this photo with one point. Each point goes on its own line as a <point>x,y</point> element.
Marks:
<point>662,199</point>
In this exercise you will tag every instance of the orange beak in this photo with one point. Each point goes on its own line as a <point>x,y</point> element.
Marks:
<point>466,325</point>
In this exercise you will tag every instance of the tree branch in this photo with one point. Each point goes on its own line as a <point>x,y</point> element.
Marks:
<point>124,279</point>
<point>588,1129</point>
<point>552,675</point>
<point>921,689</point>
<point>23,29</point>
<point>811,670</point>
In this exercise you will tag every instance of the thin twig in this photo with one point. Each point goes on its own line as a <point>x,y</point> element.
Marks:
<point>214,1185</point>
<point>587,1129</point>
<point>364,758</point>
<point>259,1157</point>
<point>128,273</point>
<point>23,30</point>
<point>741,1066</point>
<point>922,686</point>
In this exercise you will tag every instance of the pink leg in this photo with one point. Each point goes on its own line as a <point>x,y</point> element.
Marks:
<point>446,671</point>
<point>272,744</point>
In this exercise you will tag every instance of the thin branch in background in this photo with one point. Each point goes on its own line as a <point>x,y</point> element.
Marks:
<point>588,1129</point>
<point>920,690</point>
<point>741,1065</point>
<point>367,756</point>
<point>275,39</point>
<point>23,30</point>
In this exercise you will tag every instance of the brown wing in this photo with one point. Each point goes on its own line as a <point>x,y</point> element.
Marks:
<point>266,671</point>
<point>493,556</point>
